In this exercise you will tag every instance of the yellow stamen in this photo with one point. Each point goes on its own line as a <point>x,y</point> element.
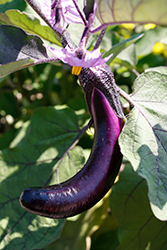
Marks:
<point>76,70</point>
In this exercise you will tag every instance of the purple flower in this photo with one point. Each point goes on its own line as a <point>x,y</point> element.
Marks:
<point>60,13</point>
<point>87,60</point>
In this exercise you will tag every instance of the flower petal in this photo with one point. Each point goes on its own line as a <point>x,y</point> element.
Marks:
<point>60,13</point>
<point>68,55</point>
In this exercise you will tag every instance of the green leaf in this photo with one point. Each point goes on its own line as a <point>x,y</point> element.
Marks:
<point>40,155</point>
<point>137,226</point>
<point>9,103</point>
<point>144,46</point>
<point>144,138</point>
<point>5,1</point>
<point>127,57</point>
<point>19,53</point>
<point>116,12</point>
<point>117,48</point>
<point>12,4</point>
<point>160,69</point>
<point>29,24</point>
<point>6,138</point>
<point>106,237</point>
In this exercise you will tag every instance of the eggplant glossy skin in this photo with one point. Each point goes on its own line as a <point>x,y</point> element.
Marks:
<point>92,182</point>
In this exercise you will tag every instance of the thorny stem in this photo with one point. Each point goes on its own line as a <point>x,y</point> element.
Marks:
<point>35,6</point>
<point>83,40</point>
<point>99,39</point>
<point>80,13</point>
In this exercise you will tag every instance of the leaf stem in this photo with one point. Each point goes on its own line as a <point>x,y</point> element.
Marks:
<point>99,39</point>
<point>126,96</point>
<point>135,72</point>
<point>80,13</point>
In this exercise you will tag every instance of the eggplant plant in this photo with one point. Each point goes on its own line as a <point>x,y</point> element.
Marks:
<point>83,124</point>
<point>94,180</point>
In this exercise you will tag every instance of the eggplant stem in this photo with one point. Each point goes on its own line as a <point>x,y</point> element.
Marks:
<point>35,7</point>
<point>126,97</point>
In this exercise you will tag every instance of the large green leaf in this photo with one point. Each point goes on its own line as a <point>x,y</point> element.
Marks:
<point>132,11</point>
<point>144,138</point>
<point>137,226</point>
<point>39,155</point>
<point>29,24</point>
<point>19,50</point>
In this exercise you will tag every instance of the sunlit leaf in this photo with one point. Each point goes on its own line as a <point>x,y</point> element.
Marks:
<point>138,228</point>
<point>106,237</point>
<point>160,69</point>
<point>144,46</point>
<point>38,156</point>
<point>29,24</point>
<point>144,139</point>
<point>5,1</point>
<point>115,12</point>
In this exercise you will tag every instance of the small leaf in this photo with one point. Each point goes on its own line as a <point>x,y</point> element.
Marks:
<point>137,226</point>
<point>144,138</point>
<point>116,12</point>
<point>40,155</point>
<point>8,68</point>
<point>117,48</point>
<point>29,24</point>
<point>127,57</point>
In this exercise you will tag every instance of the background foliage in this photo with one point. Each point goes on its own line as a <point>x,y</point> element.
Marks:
<point>43,111</point>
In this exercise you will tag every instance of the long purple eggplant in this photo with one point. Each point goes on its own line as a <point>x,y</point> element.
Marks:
<point>92,182</point>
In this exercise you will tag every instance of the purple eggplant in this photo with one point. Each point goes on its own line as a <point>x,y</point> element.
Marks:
<point>92,182</point>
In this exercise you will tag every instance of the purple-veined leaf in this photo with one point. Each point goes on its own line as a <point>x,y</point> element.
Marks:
<point>19,50</point>
<point>138,228</point>
<point>39,155</point>
<point>144,139</point>
<point>29,24</point>
<point>131,11</point>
